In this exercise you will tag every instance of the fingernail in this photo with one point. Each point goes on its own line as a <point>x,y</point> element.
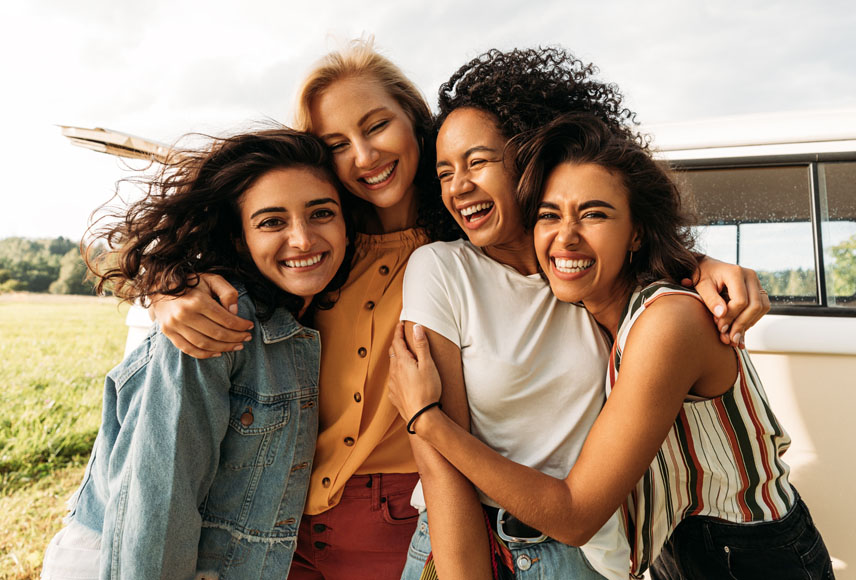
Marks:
<point>248,338</point>
<point>723,329</point>
<point>233,309</point>
<point>418,332</point>
<point>238,347</point>
<point>719,311</point>
<point>737,338</point>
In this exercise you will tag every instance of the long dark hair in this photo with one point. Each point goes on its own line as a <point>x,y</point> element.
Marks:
<point>655,202</point>
<point>189,223</point>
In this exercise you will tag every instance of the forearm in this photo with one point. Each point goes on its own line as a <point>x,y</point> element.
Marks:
<point>540,500</point>
<point>459,541</point>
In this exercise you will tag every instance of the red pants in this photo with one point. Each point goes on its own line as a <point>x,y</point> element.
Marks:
<point>365,536</point>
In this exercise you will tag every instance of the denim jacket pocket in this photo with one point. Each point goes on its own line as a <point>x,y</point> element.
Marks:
<point>254,433</point>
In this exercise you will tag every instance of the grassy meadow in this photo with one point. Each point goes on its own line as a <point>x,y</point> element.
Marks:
<point>55,351</point>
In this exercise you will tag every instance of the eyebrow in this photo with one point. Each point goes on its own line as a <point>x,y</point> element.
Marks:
<point>280,209</point>
<point>467,153</point>
<point>583,206</point>
<point>359,122</point>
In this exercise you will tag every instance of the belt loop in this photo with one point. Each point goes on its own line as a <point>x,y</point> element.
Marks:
<point>377,491</point>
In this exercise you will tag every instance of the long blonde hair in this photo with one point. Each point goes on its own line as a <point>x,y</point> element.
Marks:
<point>359,59</point>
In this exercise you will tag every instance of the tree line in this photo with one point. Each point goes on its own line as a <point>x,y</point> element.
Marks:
<point>43,265</point>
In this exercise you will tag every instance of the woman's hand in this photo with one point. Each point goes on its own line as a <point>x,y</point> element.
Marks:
<point>747,300</point>
<point>199,325</point>
<point>413,378</point>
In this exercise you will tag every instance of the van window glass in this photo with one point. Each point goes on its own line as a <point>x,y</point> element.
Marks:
<point>760,218</point>
<point>837,189</point>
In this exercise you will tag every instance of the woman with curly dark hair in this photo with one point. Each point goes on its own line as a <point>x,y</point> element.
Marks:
<point>502,377</point>
<point>686,446</point>
<point>185,445</point>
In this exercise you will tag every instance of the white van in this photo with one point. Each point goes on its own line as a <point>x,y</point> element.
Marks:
<point>777,193</point>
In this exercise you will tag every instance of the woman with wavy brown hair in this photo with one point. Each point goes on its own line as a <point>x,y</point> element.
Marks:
<point>185,445</point>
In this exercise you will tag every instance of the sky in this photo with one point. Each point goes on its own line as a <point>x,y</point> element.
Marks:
<point>161,69</point>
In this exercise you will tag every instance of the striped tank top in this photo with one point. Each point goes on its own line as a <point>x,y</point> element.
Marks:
<point>721,458</point>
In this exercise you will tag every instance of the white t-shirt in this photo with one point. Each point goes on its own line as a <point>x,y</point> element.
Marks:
<point>533,366</point>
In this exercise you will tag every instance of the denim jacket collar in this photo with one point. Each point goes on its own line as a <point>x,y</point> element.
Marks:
<point>280,326</point>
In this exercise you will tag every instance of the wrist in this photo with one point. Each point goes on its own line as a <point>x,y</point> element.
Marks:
<point>419,413</point>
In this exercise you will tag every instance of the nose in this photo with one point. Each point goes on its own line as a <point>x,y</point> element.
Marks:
<point>299,236</point>
<point>568,234</point>
<point>460,183</point>
<point>365,155</point>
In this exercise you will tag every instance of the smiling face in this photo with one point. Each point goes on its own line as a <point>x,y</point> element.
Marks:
<point>477,188</point>
<point>583,234</point>
<point>294,230</point>
<point>375,151</point>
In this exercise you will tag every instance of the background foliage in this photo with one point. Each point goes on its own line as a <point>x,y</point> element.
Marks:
<point>42,265</point>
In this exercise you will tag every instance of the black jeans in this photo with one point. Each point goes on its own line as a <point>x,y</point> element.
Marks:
<point>703,547</point>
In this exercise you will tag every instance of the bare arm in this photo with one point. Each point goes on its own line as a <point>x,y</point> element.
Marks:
<point>747,302</point>
<point>203,322</point>
<point>623,441</point>
<point>458,536</point>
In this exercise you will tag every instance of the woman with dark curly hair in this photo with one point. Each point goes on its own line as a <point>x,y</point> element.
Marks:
<point>177,459</point>
<point>493,324</point>
<point>686,431</point>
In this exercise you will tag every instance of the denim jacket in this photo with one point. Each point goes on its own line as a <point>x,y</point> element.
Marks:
<point>201,467</point>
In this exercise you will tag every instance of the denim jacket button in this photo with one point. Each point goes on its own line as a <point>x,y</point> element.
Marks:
<point>524,562</point>
<point>247,418</point>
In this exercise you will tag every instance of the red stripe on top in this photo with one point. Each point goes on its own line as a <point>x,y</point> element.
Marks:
<point>742,472</point>
<point>765,457</point>
<point>696,466</point>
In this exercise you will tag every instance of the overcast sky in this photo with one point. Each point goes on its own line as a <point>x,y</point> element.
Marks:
<point>160,69</point>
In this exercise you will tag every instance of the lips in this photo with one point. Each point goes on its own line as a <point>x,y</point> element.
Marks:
<point>472,214</point>
<point>567,266</point>
<point>305,261</point>
<point>379,177</point>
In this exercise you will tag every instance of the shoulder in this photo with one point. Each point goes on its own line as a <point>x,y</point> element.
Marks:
<point>441,256</point>
<point>673,318</point>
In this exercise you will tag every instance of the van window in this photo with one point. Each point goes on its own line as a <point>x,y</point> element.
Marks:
<point>837,189</point>
<point>774,218</point>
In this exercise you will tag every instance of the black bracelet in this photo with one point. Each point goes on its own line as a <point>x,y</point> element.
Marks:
<point>419,412</point>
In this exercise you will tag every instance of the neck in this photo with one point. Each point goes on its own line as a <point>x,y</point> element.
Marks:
<point>608,307</point>
<point>518,253</point>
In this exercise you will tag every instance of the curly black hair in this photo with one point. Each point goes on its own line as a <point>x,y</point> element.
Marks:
<point>527,88</point>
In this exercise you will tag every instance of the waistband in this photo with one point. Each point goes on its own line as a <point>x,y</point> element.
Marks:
<point>758,535</point>
<point>377,484</point>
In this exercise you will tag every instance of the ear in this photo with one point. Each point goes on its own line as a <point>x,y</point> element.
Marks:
<point>636,239</point>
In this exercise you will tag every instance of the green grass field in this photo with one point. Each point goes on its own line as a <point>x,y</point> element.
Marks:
<point>55,351</point>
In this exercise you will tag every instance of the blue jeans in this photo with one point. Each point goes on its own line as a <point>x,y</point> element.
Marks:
<point>703,547</point>
<point>547,560</point>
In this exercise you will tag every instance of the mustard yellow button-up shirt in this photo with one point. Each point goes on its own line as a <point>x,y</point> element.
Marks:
<point>360,431</point>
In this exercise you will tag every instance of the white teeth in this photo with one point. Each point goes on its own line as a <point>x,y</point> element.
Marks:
<point>571,266</point>
<point>380,177</point>
<point>470,210</point>
<point>304,263</point>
